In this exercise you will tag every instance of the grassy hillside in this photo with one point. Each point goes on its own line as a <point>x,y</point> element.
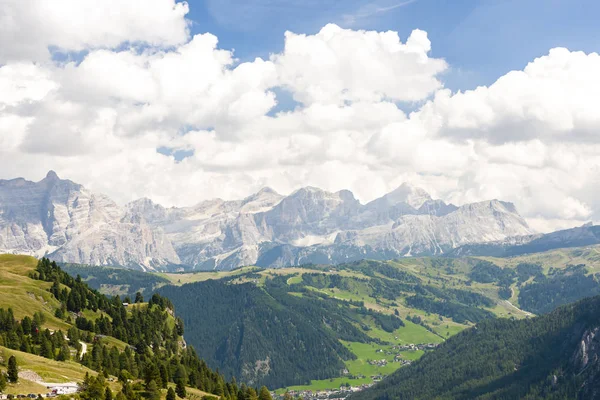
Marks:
<point>24,295</point>
<point>31,365</point>
<point>59,330</point>
<point>554,356</point>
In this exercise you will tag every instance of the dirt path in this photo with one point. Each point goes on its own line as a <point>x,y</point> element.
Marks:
<point>511,305</point>
<point>83,348</point>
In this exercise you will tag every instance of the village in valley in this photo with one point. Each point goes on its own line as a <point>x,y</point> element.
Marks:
<point>346,389</point>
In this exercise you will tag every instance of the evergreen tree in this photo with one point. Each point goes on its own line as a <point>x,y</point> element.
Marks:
<point>264,394</point>
<point>64,354</point>
<point>171,394</point>
<point>128,392</point>
<point>180,389</point>
<point>139,298</point>
<point>2,381</point>
<point>108,394</point>
<point>153,391</point>
<point>251,394</point>
<point>13,370</point>
<point>164,376</point>
<point>151,374</point>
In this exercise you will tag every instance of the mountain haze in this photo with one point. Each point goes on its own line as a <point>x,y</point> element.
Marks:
<point>69,223</point>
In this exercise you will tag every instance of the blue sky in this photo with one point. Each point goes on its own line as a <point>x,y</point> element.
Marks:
<point>481,39</point>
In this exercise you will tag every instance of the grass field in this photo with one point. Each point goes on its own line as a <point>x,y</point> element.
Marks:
<point>201,276</point>
<point>360,371</point>
<point>48,370</point>
<point>24,295</point>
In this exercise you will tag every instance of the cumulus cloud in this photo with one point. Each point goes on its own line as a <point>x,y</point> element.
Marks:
<point>553,98</point>
<point>338,65</point>
<point>28,28</point>
<point>530,138</point>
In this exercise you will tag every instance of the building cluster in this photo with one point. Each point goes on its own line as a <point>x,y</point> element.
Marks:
<point>54,390</point>
<point>326,394</point>
<point>421,346</point>
<point>379,363</point>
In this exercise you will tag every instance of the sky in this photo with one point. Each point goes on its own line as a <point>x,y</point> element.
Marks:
<point>182,102</point>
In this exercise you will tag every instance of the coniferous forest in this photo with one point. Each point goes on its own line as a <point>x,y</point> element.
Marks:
<point>554,356</point>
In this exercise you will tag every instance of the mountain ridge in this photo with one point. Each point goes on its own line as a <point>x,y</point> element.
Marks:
<point>65,221</point>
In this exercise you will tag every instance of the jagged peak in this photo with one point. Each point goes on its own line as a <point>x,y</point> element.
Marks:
<point>51,175</point>
<point>407,193</point>
<point>267,190</point>
<point>494,203</point>
<point>308,189</point>
<point>346,195</point>
<point>142,202</point>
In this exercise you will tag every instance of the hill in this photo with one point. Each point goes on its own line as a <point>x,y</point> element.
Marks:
<point>554,356</point>
<point>60,331</point>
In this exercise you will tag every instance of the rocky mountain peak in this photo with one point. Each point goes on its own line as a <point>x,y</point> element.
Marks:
<point>52,176</point>
<point>267,190</point>
<point>63,219</point>
<point>405,199</point>
<point>406,193</point>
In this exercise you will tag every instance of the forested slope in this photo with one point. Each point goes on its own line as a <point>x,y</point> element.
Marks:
<point>139,344</point>
<point>555,356</point>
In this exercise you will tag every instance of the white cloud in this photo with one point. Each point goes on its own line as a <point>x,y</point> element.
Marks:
<point>554,98</point>
<point>28,28</point>
<point>531,137</point>
<point>338,65</point>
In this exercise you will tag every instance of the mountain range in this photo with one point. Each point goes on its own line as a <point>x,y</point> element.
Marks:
<point>67,222</point>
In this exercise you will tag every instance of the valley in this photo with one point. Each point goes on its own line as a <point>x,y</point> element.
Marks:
<point>365,311</point>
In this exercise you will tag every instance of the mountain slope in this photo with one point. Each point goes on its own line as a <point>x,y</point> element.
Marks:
<point>554,356</point>
<point>585,235</point>
<point>69,223</point>
<point>65,221</point>
<point>59,329</point>
<point>292,326</point>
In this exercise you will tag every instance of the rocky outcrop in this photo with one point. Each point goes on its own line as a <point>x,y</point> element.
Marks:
<point>586,363</point>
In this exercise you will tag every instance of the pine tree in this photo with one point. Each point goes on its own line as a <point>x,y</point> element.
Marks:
<point>153,392</point>
<point>251,394</point>
<point>180,389</point>
<point>2,381</point>
<point>13,370</point>
<point>64,354</point>
<point>264,394</point>
<point>164,376</point>
<point>139,298</point>
<point>171,394</point>
<point>108,394</point>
